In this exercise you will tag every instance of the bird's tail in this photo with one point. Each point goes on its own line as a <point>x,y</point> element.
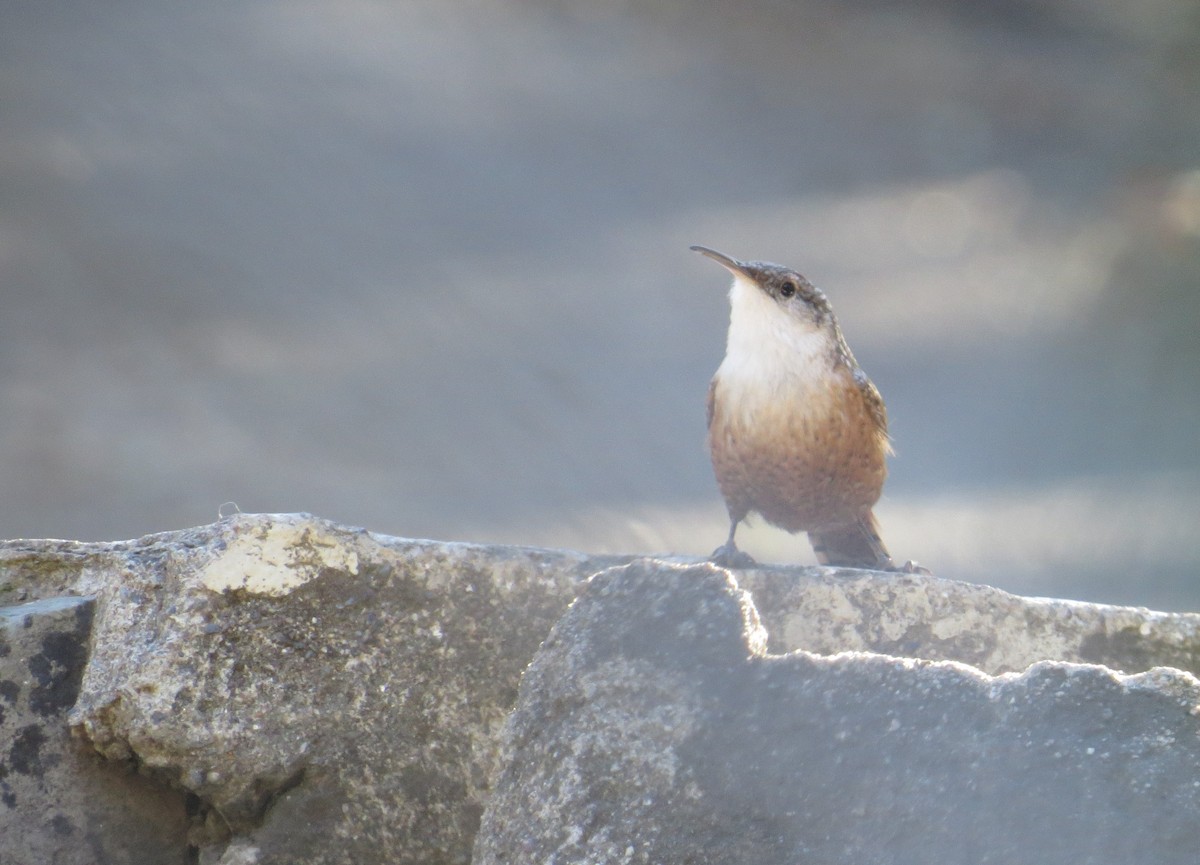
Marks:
<point>854,545</point>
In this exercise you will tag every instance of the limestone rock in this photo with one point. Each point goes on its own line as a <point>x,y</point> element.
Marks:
<point>60,801</point>
<point>275,689</point>
<point>322,694</point>
<point>826,611</point>
<point>653,726</point>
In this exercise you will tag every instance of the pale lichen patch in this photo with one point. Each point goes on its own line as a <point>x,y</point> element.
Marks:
<point>279,560</point>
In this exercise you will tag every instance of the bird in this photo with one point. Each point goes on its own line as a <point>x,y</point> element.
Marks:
<point>797,432</point>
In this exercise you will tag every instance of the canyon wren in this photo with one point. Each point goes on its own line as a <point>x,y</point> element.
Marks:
<point>796,430</point>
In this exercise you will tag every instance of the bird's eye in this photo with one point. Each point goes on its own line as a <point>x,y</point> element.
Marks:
<point>788,288</point>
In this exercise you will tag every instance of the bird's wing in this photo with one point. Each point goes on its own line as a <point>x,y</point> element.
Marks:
<point>873,399</point>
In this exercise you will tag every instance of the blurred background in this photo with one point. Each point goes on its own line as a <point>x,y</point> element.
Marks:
<point>422,267</point>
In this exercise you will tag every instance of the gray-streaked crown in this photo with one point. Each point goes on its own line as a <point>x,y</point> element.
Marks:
<point>785,286</point>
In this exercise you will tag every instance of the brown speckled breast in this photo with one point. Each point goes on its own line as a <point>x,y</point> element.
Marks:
<point>810,459</point>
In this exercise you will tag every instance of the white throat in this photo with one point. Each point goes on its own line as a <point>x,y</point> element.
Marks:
<point>767,347</point>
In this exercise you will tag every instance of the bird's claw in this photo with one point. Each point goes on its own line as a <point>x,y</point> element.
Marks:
<point>729,556</point>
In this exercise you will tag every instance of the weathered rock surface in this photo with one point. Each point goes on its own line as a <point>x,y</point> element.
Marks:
<point>828,611</point>
<point>654,727</point>
<point>61,802</point>
<point>325,695</point>
<point>275,689</point>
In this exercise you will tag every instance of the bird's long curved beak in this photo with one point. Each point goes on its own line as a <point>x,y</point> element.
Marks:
<point>731,264</point>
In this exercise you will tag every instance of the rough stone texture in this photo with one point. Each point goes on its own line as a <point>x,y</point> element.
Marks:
<point>279,689</point>
<point>326,695</point>
<point>60,802</point>
<point>654,727</point>
<point>828,611</point>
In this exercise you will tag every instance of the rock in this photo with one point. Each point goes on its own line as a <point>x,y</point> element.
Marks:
<point>322,694</point>
<point>827,611</point>
<point>60,801</point>
<point>275,689</point>
<point>653,726</point>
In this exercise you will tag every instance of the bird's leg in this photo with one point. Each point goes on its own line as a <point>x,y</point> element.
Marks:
<point>728,555</point>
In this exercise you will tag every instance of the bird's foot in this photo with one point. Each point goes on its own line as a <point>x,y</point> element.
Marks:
<point>914,567</point>
<point>729,556</point>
